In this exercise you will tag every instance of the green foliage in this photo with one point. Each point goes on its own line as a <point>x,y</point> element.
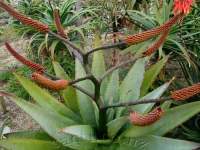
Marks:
<point>13,86</point>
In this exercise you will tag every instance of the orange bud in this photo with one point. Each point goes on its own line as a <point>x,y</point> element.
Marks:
<point>141,37</point>
<point>37,67</point>
<point>58,23</point>
<point>24,19</point>
<point>186,93</point>
<point>147,119</point>
<point>50,84</point>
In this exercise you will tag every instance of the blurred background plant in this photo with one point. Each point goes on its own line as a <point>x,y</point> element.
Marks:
<point>12,85</point>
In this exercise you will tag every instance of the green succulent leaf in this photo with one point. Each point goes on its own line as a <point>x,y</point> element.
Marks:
<point>86,104</point>
<point>50,121</point>
<point>151,75</point>
<point>157,93</point>
<point>130,86</point>
<point>85,132</point>
<point>45,100</point>
<point>30,144</point>
<point>112,90</point>
<point>115,125</point>
<point>142,19</point>
<point>98,63</point>
<point>38,135</point>
<point>155,143</point>
<point>172,118</point>
<point>52,48</point>
<point>68,94</point>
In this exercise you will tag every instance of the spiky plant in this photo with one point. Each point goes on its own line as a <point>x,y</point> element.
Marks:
<point>98,111</point>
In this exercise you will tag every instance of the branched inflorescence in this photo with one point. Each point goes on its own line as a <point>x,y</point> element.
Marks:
<point>147,119</point>
<point>36,67</point>
<point>24,19</point>
<point>186,93</point>
<point>50,84</point>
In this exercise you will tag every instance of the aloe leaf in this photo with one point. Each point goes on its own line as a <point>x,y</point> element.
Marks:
<point>68,94</point>
<point>157,93</point>
<point>112,90</point>
<point>151,75</point>
<point>38,135</point>
<point>86,104</point>
<point>52,123</point>
<point>155,143</point>
<point>115,125</point>
<point>31,144</point>
<point>45,100</point>
<point>98,63</point>
<point>85,132</point>
<point>130,86</point>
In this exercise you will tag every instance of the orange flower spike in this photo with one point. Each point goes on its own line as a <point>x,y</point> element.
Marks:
<point>28,63</point>
<point>157,44</point>
<point>186,93</point>
<point>58,23</point>
<point>141,37</point>
<point>182,6</point>
<point>50,84</point>
<point>24,19</point>
<point>147,119</point>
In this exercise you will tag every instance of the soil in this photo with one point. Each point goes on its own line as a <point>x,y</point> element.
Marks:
<point>17,119</point>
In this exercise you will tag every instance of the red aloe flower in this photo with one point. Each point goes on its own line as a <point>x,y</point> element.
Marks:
<point>182,6</point>
<point>50,84</point>
<point>186,93</point>
<point>141,37</point>
<point>147,119</point>
<point>157,44</point>
<point>58,23</point>
<point>30,64</point>
<point>24,19</point>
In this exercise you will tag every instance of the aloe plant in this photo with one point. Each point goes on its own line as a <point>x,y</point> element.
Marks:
<point>99,109</point>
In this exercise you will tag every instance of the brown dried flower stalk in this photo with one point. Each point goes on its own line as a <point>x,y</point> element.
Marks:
<point>58,24</point>
<point>141,37</point>
<point>24,19</point>
<point>50,84</point>
<point>148,119</point>
<point>186,93</point>
<point>157,44</point>
<point>30,64</point>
